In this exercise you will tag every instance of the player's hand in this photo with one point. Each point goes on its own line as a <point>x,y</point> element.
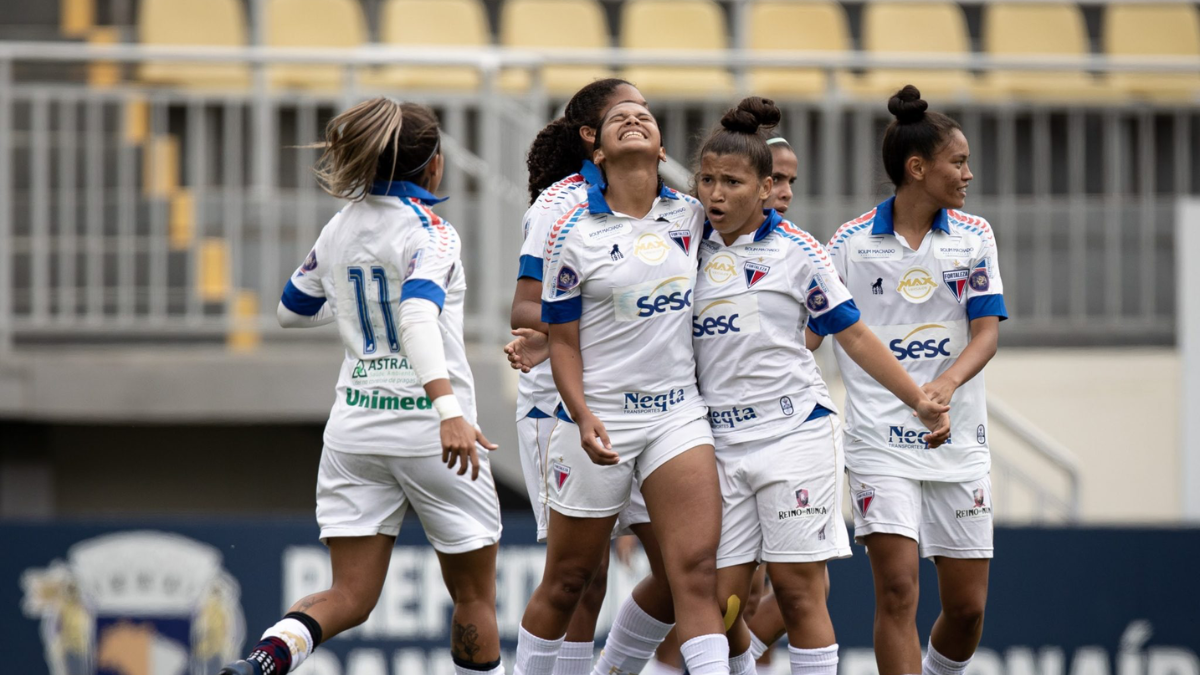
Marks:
<point>595,441</point>
<point>459,447</point>
<point>624,547</point>
<point>935,416</point>
<point>529,349</point>
<point>940,391</point>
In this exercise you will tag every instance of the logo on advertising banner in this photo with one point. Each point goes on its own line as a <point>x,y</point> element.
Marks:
<point>136,603</point>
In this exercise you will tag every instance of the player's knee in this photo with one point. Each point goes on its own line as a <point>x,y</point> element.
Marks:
<point>565,586</point>
<point>897,594</point>
<point>800,600</point>
<point>695,570</point>
<point>593,596</point>
<point>967,613</point>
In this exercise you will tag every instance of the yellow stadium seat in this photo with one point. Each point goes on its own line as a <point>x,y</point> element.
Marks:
<point>558,24</point>
<point>1035,29</point>
<point>193,23</point>
<point>1154,29</point>
<point>935,28</point>
<point>807,25</point>
<point>676,25</point>
<point>312,23</point>
<point>435,23</point>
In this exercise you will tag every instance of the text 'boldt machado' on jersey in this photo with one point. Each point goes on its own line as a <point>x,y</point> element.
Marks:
<point>629,282</point>
<point>373,255</point>
<point>535,389</point>
<point>920,303</point>
<point>753,299</point>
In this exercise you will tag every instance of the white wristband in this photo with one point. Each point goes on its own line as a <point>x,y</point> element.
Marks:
<point>447,407</point>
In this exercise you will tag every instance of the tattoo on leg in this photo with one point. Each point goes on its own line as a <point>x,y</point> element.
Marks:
<point>464,642</point>
<point>305,604</point>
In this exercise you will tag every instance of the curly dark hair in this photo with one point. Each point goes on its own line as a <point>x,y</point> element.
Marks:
<point>558,151</point>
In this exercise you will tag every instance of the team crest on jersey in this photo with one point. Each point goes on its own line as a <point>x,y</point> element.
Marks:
<point>980,280</point>
<point>310,263</point>
<point>566,280</point>
<point>683,238</point>
<point>414,262</point>
<point>561,473</point>
<point>956,281</point>
<point>755,272</point>
<point>864,498</point>
<point>817,301</point>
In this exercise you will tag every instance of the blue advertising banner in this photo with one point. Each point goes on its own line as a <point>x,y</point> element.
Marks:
<point>181,597</point>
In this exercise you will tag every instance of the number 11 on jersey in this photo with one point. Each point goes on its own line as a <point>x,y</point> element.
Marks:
<point>358,280</point>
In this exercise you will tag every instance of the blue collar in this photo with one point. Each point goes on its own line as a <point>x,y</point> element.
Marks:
<point>592,174</point>
<point>773,220</point>
<point>403,188</point>
<point>597,203</point>
<point>884,223</point>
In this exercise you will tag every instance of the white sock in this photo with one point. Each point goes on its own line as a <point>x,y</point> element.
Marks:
<point>757,647</point>
<point>463,670</point>
<point>297,637</point>
<point>631,641</point>
<point>822,661</point>
<point>656,667</point>
<point>575,658</point>
<point>706,654</point>
<point>936,664</point>
<point>742,664</point>
<point>535,656</point>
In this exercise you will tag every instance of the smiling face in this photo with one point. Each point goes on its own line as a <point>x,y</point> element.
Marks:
<point>945,176</point>
<point>628,129</point>
<point>732,193</point>
<point>783,174</point>
<point>623,93</point>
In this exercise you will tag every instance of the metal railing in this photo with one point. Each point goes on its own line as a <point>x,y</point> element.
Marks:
<point>99,241</point>
<point>1006,471</point>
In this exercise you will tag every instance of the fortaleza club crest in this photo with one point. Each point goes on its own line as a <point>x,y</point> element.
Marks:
<point>956,281</point>
<point>136,603</point>
<point>864,498</point>
<point>754,273</point>
<point>803,509</point>
<point>683,238</point>
<point>560,472</point>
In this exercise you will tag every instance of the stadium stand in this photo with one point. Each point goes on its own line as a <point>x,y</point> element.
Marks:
<point>811,25</point>
<point>312,23</point>
<point>433,23</point>
<point>937,29</point>
<point>1032,30</point>
<point>559,24</point>
<point>193,22</point>
<point>676,25</point>
<point>1154,29</point>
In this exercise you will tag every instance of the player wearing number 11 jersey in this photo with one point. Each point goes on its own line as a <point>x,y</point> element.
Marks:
<point>387,270</point>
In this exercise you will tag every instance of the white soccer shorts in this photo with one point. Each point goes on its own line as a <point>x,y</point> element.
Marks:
<point>580,488</point>
<point>782,497</point>
<point>533,444</point>
<point>945,519</point>
<point>363,495</point>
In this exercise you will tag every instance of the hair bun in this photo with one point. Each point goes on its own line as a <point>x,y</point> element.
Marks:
<point>750,115</point>
<point>907,105</point>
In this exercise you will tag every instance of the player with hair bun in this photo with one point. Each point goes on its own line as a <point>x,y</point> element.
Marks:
<point>387,270</point>
<point>928,280</point>
<point>778,446</point>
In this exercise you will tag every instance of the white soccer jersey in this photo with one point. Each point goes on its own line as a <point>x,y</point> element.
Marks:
<point>628,281</point>
<point>535,389</point>
<point>920,303</point>
<point>752,301</point>
<point>370,257</point>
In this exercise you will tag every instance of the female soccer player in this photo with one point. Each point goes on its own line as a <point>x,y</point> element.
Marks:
<point>778,446</point>
<point>560,174</point>
<point>617,297</point>
<point>387,269</point>
<point>930,288</point>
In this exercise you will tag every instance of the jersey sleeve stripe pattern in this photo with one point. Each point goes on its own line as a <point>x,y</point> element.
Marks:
<point>806,242</point>
<point>846,230</point>
<point>300,302</point>
<point>973,224</point>
<point>558,233</point>
<point>557,192</point>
